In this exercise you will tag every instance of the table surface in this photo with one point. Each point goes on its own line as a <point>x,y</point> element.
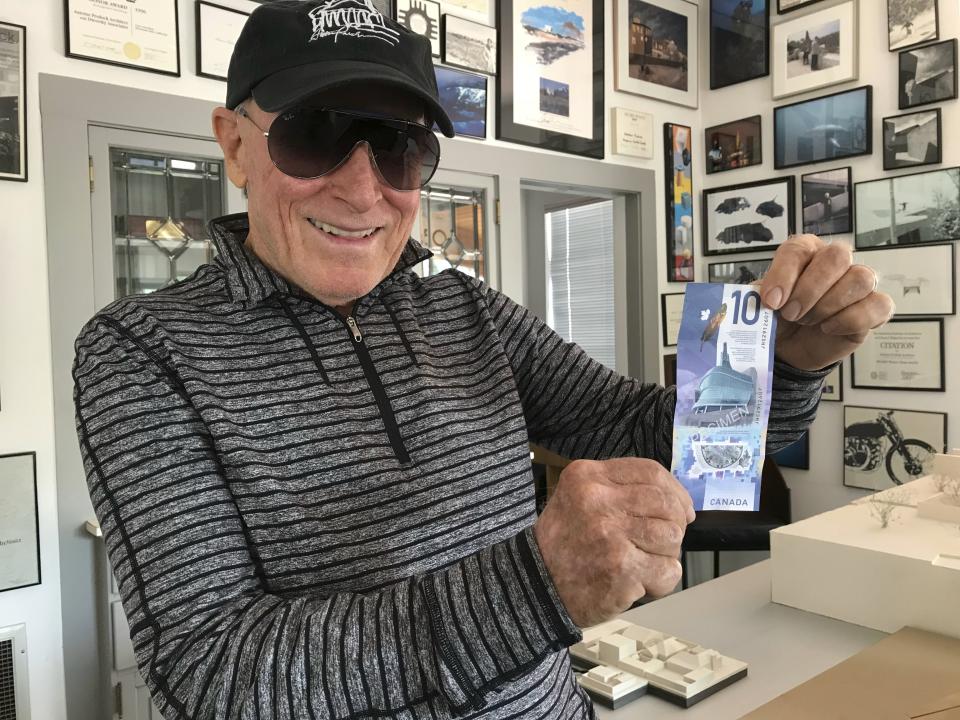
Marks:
<point>733,615</point>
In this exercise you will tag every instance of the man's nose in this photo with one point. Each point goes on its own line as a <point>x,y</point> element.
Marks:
<point>357,180</point>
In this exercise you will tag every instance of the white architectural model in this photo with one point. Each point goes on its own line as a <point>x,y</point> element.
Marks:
<point>945,506</point>
<point>626,660</point>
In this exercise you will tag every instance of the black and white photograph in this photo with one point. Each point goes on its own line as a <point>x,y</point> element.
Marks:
<point>671,310</point>
<point>19,531</point>
<point>795,455</point>
<point>464,96</point>
<point>827,197</point>
<point>826,128</point>
<point>13,106</point>
<point>785,6</point>
<point>920,279</point>
<point>883,447</point>
<point>909,209</point>
<point>911,22</point>
<point>912,139</point>
<point>469,45</point>
<point>747,217</point>
<point>815,50</point>
<point>739,41</point>
<point>734,145</point>
<point>904,354</point>
<point>832,389</point>
<point>739,272</point>
<point>928,74</point>
<point>423,18</point>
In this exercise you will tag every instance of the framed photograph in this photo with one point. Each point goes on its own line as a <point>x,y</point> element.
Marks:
<point>816,50</point>
<point>678,161</point>
<point>469,45</point>
<point>671,309</point>
<point>464,97</point>
<point>632,133</point>
<point>785,6</point>
<point>550,75</point>
<point>928,74</point>
<point>217,31</point>
<point>920,279</point>
<point>423,18</point>
<point>387,8</point>
<point>911,22</point>
<point>656,49</point>
<point>832,389</point>
<point>826,128</point>
<point>795,455</point>
<point>884,447</point>
<point>747,217</point>
<point>827,200</point>
<point>109,33</point>
<point>19,529</point>
<point>913,139</point>
<point>739,41</point>
<point>739,272</point>
<point>910,209</point>
<point>13,102</point>
<point>734,145</point>
<point>670,369</point>
<point>901,355</point>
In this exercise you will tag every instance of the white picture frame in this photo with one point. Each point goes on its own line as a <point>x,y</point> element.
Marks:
<point>632,133</point>
<point>423,18</point>
<point>920,279</point>
<point>13,102</point>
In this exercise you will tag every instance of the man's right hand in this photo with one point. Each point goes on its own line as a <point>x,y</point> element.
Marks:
<point>611,534</point>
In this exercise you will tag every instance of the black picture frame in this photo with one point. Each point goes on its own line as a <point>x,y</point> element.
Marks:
<point>795,455</point>
<point>669,369</point>
<point>70,52</point>
<point>664,325</point>
<point>464,119</point>
<point>945,88</point>
<point>940,387</point>
<point>751,271</point>
<point>15,107</point>
<point>755,211</point>
<point>36,516</point>
<point>490,69</point>
<point>921,40</point>
<point>730,158</point>
<point>799,6</point>
<point>864,145</point>
<point>387,8</point>
<point>891,143</point>
<point>902,274</point>
<point>732,50</point>
<point>507,129</point>
<point>199,35</point>
<point>427,10</point>
<point>822,216</point>
<point>678,163</point>
<point>837,395</point>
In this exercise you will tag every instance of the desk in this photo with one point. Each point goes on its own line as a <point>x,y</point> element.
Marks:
<point>733,614</point>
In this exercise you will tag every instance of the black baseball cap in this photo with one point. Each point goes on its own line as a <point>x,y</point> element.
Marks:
<point>292,49</point>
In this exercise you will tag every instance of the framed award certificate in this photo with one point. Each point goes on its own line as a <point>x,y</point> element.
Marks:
<point>217,31</point>
<point>141,34</point>
<point>901,355</point>
<point>19,531</point>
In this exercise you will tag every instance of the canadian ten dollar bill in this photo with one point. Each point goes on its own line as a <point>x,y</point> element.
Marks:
<point>724,380</point>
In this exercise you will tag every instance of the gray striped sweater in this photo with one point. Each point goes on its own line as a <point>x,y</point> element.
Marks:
<point>314,519</point>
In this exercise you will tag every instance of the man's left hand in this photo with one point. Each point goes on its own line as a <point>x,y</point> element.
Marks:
<point>827,304</point>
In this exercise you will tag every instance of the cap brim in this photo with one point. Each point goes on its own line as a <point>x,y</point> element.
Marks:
<point>288,87</point>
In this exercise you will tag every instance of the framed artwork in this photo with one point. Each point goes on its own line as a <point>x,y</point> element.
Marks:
<point>463,95</point>
<point>785,6</point>
<point>671,309</point>
<point>827,200</point>
<point>739,272</point>
<point>751,216</point>
<point>670,369</point>
<point>796,455</point>
<point>901,355</point>
<point>928,74</point>
<point>477,7</point>
<point>656,49</point>
<point>387,8</point>
<point>469,45</point>
<point>884,447</point>
<point>826,128</point>
<point>911,22</point>
<point>217,31</point>
<point>913,139</point>
<point>816,50</point>
<point>108,33</point>
<point>550,77</point>
<point>678,159</point>
<point>739,41</point>
<point>920,279</point>
<point>423,18</point>
<point>13,102</point>
<point>632,133</point>
<point>19,528</point>
<point>832,389</point>
<point>733,145</point>
<point>910,209</point>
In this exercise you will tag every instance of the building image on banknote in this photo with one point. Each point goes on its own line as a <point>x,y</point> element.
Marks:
<point>724,396</point>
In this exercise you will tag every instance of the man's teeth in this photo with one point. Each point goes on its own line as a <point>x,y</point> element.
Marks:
<point>334,230</point>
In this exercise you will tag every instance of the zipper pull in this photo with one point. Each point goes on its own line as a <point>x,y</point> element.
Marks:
<point>357,337</point>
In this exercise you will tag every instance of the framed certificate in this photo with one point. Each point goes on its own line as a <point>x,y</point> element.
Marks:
<point>19,530</point>
<point>144,35</point>
<point>901,355</point>
<point>632,133</point>
<point>671,305</point>
<point>217,31</point>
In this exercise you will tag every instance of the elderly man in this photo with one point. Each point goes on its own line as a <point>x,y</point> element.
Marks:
<point>311,465</point>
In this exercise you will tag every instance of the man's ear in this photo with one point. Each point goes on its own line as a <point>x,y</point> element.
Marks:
<point>227,132</point>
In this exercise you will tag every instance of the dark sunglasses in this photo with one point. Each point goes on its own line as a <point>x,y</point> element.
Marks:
<point>308,143</point>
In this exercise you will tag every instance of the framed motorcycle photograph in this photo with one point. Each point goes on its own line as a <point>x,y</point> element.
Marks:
<point>901,355</point>
<point>883,447</point>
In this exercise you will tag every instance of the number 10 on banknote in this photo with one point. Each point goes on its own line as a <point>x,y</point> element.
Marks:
<point>724,378</point>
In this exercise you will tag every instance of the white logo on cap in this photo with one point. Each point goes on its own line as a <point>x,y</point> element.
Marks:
<point>353,18</point>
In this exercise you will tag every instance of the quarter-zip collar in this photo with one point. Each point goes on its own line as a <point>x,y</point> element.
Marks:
<point>251,283</point>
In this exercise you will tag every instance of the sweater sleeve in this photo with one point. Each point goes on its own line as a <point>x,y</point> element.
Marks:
<point>213,641</point>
